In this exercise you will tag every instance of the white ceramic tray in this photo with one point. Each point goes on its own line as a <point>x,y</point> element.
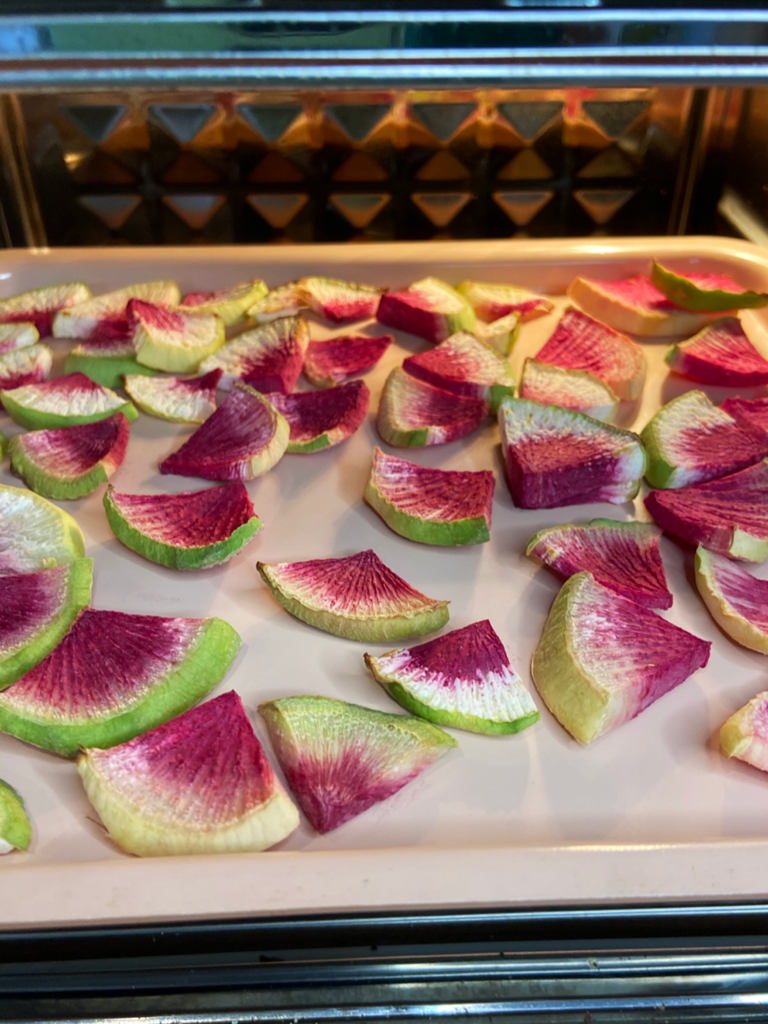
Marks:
<point>651,812</point>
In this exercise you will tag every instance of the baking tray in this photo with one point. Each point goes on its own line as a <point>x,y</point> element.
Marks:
<point>651,812</point>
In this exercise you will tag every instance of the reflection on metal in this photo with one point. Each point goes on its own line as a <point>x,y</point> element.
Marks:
<point>442,166</point>
<point>443,120</point>
<point>603,205</point>
<point>280,209</point>
<point>271,121</point>
<point>522,207</point>
<point>357,120</point>
<point>614,117</point>
<point>184,121</point>
<point>529,119</point>
<point>526,165</point>
<point>95,121</point>
<point>746,221</point>
<point>195,211</point>
<point>360,210</point>
<point>15,167</point>
<point>113,210</point>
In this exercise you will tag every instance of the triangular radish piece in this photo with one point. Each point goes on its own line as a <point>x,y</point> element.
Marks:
<point>340,759</point>
<point>242,439</point>
<point>36,533</point>
<point>709,293</point>
<point>635,306</point>
<point>751,414</point>
<point>602,659</point>
<point>285,300</point>
<point>14,336</point>
<point>691,440</point>
<point>200,783</point>
<point>322,419</point>
<point>229,304</point>
<point>39,305</point>
<point>501,334</point>
<point>494,301</point>
<point>15,826</point>
<point>729,515</point>
<point>63,402</point>
<point>736,600</point>
<point>581,343</point>
<point>464,366</point>
<point>110,311</point>
<point>720,354</point>
<point>193,530</point>
<point>174,340</point>
<point>570,389</point>
<point>36,611</point>
<point>114,676</point>
<point>432,506</point>
<point>557,457</point>
<point>745,734</point>
<point>105,357</point>
<point>429,308</point>
<point>340,300</point>
<point>357,597</point>
<point>462,679</point>
<point>330,362</point>
<point>170,398</point>
<point>22,366</point>
<point>269,358</point>
<point>413,413</point>
<point>621,556</point>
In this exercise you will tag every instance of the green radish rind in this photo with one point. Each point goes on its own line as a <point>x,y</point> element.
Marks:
<point>735,625</point>
<point>33,419</point>
<point>740,739</point>
<point>460,532</point>
<point>3,445</point>
<point>106,370</point>
<point>15,826</point>
<point>690,296</point>
<point>203,668</point>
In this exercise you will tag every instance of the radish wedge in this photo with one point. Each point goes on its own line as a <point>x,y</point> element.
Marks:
<point>17,335</point>
<point>110,311</point>
<point>413,413</point>
<point>340,759</point>
<point>229,304</point>
<point>330,362</point>
<point>431,506</point>
<point>269,358</point>
<point>357,597</point>
<point>635,306</point>
<point>736,600</point>
<point>174,399</point>
<point>720,354</point>
<point>244,438</point>
<point>753,415</point>
<point>70,462</point>
<point>63,402</point>
<point>494,301</point>
<point>602,660</point>
<point>501,334</point>
<point>15,827</point>
<point>708,293</point>
<point>200,783</point>
<point>570,389</point>
<point>39,305</point>
<point>462,679</point>
<point>285,300</point>
<point>322,419</point>
<point>36,533</point>
<point>340,300</point>
<point>30,365</point>
<point>193,530</point>
<point>114,676</point>
<point>430,309</point>
<point>174,340</point>
<point>464,366</point>
<point>105,357</point>
<point>745,734</point>
<point>621,556</point>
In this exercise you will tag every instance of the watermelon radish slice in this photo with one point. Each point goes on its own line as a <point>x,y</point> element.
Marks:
<point>244,438</point>
<point>581,343</point>
<point>501,334</point>
<point>340,300</point>
<point>36,611</point>
<point>751,414</point>
<point>269,358</point>
<point>464,366</point>
<point>340,759</point>
<point>322,419</point>
<point>15,336</point>
<point>432,506</point>
<point>720,354</point>
<point>602,659</point>
<point>114,676</point>
<point>105,357</point>
<point>200,783</point>
<point>728,516</point>
<point>621,556</point>
<point>174,340</point>
<point>736,600</point>
<point>557,457</point>
<point>39,305</point>
<point>330,362</point>
<point>70,462</point>
<point>413,413</point>
<point>229,304</point>
<point>493,301</point>
<point>286,300</point>
<point>745,734</point>
<point>30,365</point>
<point>709,293</point>
<point>357,597</point>
<point>36,533</point>
<point>462,679</point>
<point>15,827</point>
<point>690,440</point>
<point>570,389</point>
<point>430,309</point>
<point>63,402</point>
<point>109,312</point>
<point>193,530</point>
<point>174,399</point>
<point>635,306</point>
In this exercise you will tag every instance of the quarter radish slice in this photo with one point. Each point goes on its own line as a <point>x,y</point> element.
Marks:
<point>570,389</point>
<point>70,462</point>
<point>109,312</point>
<point>501,334</point>
<point>174,340</point>
<point>244,438</point>
<point>114,676</point>
<point>170,398</point>
<point>728,516</point>
<point>269,358</point>
<point>105,357</point>
<point>464,366</point>
<point>39,305</point>
<point>357,597</point>
<point>36,533</point>
<point>193,530</point>
<point>36,611</point>
<point>494,301</point>
<point>22,366</point>
<point>635,306</point>
<point>709,293</point>
<point>200,783</point>
<point>64,402</point>
<point>691,440</point>
<point>429,308</point>
<point>557,457</point>
<point>413,413</point>
<point>14,336</point>
<point>602,659</point>
<point>736,600</point>
<point>340,759</point>
<point>229,304</point>
<point>330,362</point>
<point>15,826</point>
<point>720,354</point>
<point>431,506</point>
<point>745,734</point>
<point>752,414</point>
<point>340,300</point>
<point>462,679</point>
<point>285,300</point>
<point>621,556</point>
<point>322,419</point>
